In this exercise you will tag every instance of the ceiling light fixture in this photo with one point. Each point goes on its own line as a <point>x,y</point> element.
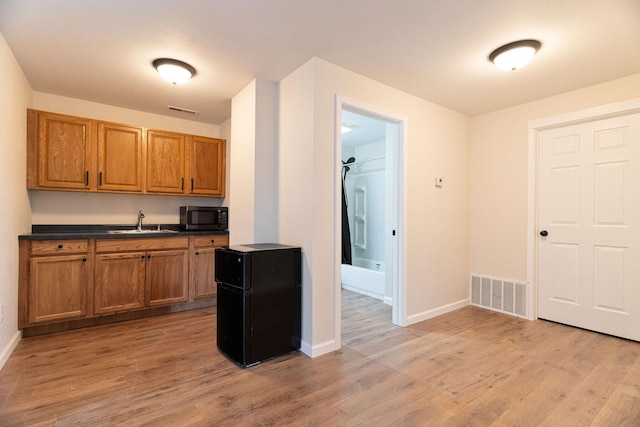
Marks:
<point>347,127</point>
<point>514,55</point>
<point>174,71</point>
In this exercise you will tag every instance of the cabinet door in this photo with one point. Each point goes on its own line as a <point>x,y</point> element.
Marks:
<point>119,282</point>
<point>64,146</point>
<point>165,162</point>
<point>58,288</point>
<point>119,157</point>
<point>204,273</point>
<point>167,277</point>
<point>207,166</point>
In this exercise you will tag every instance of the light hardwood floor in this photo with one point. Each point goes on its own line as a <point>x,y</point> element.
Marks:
<point>470,367</point>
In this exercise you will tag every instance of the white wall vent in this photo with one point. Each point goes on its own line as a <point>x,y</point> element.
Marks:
<point>505,296</point>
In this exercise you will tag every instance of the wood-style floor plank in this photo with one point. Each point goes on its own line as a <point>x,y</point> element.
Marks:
<point>469,367</point>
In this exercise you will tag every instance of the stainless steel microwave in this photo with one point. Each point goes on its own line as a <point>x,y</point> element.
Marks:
<point>204,218</point>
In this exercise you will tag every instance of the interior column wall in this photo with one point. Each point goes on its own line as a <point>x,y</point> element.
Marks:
<point>254,164</point>
<point>436,220</point>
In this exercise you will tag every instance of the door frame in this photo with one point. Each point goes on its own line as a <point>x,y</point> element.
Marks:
<point>616,109</point>
<point>397,210</point>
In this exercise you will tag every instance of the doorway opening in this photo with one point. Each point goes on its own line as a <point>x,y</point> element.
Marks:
<point>369,147</point>
<point>363,204</point>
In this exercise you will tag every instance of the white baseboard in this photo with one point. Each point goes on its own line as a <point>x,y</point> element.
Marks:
<point>436,311</point>
<point>388,300</point>
<point>363,292</point>
<point>318,350</point>
<point>6,352</point>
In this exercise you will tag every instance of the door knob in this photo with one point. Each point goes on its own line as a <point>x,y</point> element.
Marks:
<point>544,233</point>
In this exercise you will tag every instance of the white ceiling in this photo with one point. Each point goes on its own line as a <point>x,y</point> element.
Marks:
<point>364,129</point>
<point>101,50</point>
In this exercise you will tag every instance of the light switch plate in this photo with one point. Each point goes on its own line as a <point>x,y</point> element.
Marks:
<point>439,182</point>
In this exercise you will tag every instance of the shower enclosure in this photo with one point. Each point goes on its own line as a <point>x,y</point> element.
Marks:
<point>363,174</point>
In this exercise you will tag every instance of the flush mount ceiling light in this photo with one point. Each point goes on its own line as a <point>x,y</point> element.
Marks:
<point>174,71</point>
<point>514,55</point>
<point>347,127</point>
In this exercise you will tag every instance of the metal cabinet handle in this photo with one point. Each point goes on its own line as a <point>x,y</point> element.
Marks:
<point>59,246</point>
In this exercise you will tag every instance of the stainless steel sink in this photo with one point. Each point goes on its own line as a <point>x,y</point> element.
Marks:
<point>135,231</point>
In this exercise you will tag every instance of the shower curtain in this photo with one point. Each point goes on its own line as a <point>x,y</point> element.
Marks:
<point>346,234</point>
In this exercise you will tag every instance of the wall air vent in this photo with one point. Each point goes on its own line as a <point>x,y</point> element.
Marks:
<point>182,110</point>
<point>505,296</point>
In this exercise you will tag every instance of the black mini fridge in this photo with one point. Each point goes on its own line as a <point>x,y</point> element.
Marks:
<point>259,301</point>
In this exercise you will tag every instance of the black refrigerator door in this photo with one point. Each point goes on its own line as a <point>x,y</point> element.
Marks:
<point>276,292</point>
<point>275,270</point>
<point>275,322</point>
<point>233,268</point>
<point>234,329</point>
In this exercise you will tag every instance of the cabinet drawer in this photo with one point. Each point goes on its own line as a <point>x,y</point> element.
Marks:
<point>55,247</point>
<point>121,245</point>
<point>213,240</point>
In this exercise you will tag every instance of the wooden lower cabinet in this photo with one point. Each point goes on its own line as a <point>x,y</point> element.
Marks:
<point>136,273</point>
<point>119,282</point>
<point>203,281</point>
<point>73,283</point>
<point>129,281</point>
<point>58,288</point>
<point>167,277</point>
<point>55,276</point>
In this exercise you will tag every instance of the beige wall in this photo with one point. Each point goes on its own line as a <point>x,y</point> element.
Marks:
<point>436,233</point>
<point>253,209</point>
<point>475,223</point>
<point>499,174</point>
<point>225,133</point>
<point>55,207</point>
<point>296,195</point>
<point>15,213</point>
<point>242,172</point>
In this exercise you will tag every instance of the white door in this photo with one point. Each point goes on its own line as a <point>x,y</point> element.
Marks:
<point>589,207</point>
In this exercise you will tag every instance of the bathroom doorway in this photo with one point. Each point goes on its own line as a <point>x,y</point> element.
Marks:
<point>369,148</point>
<point>363,185</point>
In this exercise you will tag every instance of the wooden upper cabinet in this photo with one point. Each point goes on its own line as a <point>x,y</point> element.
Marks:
<point>77,154</point>
<point>120,160</point>
<point>165,162</point>
<point>207,166</point>
<point>59,151</point>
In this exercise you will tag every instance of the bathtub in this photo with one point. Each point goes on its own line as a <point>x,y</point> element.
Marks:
<point>365,277</point>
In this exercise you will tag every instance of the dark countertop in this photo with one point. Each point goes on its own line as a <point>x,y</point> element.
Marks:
<point>68,232</point>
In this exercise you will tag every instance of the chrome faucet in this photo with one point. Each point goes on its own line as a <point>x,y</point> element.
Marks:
<point>140,216</point>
